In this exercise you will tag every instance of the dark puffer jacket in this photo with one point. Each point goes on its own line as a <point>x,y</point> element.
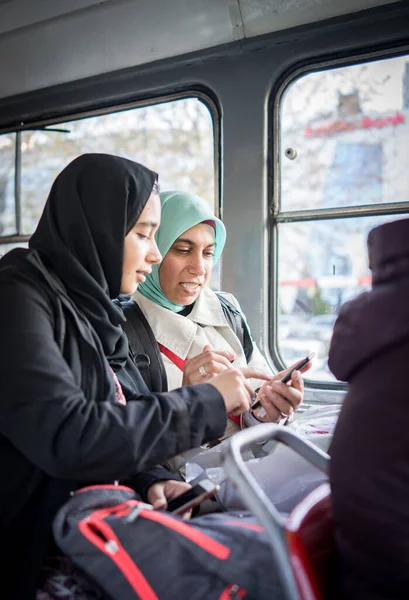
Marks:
<point>370,448</point>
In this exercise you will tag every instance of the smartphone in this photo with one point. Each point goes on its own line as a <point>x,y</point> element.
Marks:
<point>297,367</point>
<point>193,497</point>
<point>287,377</point>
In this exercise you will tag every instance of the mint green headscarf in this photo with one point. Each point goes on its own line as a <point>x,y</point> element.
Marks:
<point>180,212</point>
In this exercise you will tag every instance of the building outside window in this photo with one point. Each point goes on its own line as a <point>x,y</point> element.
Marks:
<point>343,139</point>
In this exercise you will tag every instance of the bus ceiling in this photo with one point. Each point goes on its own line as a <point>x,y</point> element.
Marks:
<point>46,43</point>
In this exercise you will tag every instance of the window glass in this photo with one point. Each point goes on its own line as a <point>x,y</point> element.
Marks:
<point>343,142</point>
<point>322,264</point>
<point>7,175</point>
<point>344,137</point>
<point>173,138</point>
<point>4,248</point>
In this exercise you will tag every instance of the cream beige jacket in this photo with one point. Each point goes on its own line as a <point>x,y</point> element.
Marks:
<point>187,336</point>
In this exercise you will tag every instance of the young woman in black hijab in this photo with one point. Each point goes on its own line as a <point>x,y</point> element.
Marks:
<point>73,406</point>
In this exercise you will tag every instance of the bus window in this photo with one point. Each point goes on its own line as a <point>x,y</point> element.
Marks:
<point>7,183</point>
<point>173,138</point>
<point>4,248</point>
<point>343,143</point>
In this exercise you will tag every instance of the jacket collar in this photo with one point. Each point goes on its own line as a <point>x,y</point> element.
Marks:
<point>176,332</point>
<point>208,310</point>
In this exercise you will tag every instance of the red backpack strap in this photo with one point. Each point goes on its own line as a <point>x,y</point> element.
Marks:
<point>179,362</point>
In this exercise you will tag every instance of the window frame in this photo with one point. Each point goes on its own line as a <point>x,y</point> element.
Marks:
<point>50,123</point>
<point>277,217</point>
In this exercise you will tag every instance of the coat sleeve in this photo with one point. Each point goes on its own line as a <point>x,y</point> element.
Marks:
<point>142,481</point>
<point>45,416</point>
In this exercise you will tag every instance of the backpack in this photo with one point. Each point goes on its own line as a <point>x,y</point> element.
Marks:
<point>145,351</point>
<point>134,552</point>
<point>142,346</point>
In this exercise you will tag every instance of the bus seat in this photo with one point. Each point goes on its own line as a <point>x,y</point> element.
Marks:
<point>302,543</point>
<point>309,532</point>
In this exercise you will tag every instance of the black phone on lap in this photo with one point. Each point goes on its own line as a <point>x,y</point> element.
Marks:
<point>193,497</point>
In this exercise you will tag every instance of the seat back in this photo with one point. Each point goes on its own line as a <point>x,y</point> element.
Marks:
<point>300,562</point>
<point>311,544</point>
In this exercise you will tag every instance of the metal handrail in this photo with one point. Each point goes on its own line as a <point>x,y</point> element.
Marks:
<point>255,498</point>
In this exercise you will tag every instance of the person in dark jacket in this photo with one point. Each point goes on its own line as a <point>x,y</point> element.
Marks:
<point>370,448</point>
<point>73,406</point>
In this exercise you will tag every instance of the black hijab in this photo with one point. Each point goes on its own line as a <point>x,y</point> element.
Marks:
<point>94,202</point>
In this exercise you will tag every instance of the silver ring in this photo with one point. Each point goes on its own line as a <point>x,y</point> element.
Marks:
<point>203,371</point>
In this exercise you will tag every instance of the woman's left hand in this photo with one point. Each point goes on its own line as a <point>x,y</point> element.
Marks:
<point>161,491</point>
<point>279,400</point>
<point>206,365</point>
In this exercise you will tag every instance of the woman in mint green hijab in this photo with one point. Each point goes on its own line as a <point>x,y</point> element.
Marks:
<point>180,212</point>
<point>186,316</point>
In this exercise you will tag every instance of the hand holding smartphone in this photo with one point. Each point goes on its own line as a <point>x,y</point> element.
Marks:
<point>287,377</point>
<point>193,497</point>
<point>297,367</point>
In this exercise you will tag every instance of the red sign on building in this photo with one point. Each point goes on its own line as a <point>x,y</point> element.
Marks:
<point>365,122</point>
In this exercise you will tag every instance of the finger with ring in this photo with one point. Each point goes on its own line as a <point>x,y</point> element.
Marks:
<point>202,371</point>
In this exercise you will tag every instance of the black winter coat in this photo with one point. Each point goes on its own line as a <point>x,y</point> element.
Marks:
<point>370,448</point>
<point>52,439</point>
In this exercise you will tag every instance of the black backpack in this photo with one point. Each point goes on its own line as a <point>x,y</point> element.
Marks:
<point>145,351</point>
<point>130,551</point>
